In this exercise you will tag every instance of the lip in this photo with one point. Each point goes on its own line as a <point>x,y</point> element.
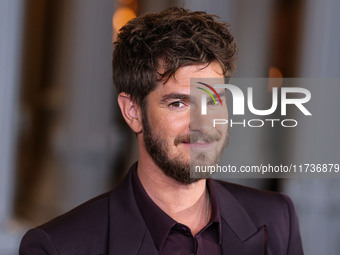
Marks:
<point>199,145</point>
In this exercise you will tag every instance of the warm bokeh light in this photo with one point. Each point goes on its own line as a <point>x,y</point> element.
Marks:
<point>121,16</point>
<point>275,76</point>
<point>275,72</point>
<point>126,2</point>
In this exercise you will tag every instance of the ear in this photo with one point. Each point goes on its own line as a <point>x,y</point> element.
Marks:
<point>131,112</point>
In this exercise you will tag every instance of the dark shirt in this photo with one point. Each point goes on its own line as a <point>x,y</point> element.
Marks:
<point>173,238</point>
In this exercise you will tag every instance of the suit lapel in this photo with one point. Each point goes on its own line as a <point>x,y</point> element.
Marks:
<point>128,234</point>
<point>240,235</point>
<point>232,245</point>
<point>147,246</point>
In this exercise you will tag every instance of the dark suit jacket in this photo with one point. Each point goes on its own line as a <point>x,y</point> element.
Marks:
<point>253,222</point>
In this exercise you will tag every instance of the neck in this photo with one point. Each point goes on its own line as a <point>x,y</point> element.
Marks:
<point>185,203</point>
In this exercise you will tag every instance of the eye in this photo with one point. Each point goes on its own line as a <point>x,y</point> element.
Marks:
<point>211,102</point>
<point>176,105</point>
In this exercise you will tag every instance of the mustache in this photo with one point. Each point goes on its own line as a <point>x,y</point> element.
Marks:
<point>196,136</point>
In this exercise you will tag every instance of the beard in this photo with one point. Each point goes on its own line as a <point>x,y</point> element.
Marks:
<point>177,167</point>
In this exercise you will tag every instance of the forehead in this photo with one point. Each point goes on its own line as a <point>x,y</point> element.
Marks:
<point>182,77</point>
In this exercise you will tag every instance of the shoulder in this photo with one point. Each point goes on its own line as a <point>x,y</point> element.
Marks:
<point>85,229</point>
<point>250,196</point>
<point>264,207</point>
<point>86,224</point>
<point>90,216</point>
<point>272,210</point>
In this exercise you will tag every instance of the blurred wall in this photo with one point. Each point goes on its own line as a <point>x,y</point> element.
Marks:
<point>317,200</point>
<point>63,140</point>
<point>67,141</point>
<point>11,27</point>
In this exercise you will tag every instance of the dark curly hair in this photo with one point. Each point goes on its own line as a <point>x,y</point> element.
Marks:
<point>152,47</point>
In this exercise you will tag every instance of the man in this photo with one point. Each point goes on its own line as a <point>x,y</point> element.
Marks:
<point>159,208</point>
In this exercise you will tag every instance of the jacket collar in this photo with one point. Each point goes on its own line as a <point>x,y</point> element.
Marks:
<point>128,234</point>
<point>240,235</point>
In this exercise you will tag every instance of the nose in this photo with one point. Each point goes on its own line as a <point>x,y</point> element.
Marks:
<point>199,122</point>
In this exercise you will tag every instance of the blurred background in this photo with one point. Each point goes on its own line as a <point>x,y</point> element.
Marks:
<point>63,141</point>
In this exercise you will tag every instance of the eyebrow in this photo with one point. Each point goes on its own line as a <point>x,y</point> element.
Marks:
<point>186,97</point>
<point>172,96</point>
<point>222,94</point>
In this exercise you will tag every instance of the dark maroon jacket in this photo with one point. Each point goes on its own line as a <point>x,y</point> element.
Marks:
<point>253,222</point>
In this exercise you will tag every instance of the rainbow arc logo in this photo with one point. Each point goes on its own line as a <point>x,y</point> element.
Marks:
<point>209,93</point>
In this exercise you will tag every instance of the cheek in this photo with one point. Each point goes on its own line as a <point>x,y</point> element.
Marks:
<point>223,115</point>
<point>176,124</point>
<point>221,112</point>
<point>223,129</point>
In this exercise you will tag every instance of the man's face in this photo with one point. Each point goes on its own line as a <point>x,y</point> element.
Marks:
<point>175,133</point>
